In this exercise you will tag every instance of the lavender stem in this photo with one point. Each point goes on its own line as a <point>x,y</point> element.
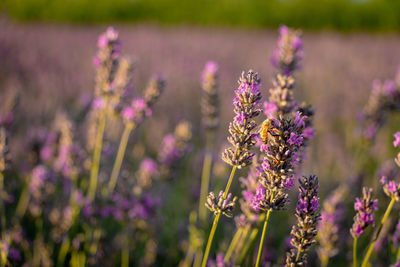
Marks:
<point>120,157</point>
<point>205,180</point>
<point>94,170</point>
<point>384,218</point>
<point>216,219</point>
<point>263,235</point>
<point>355,252</point>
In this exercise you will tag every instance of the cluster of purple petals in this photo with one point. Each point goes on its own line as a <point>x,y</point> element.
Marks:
<point>123,208</point>
<point>308,200</point>
<point>289,44</point>
<point>258,198</point>
<point>108,39</point>
<point>210,70</point>
<point>365,208</point>
<point>149,165</point>
<point>396,142</point>
<point>171,152</point>
<point>244,88</point>
<point>137,111</point>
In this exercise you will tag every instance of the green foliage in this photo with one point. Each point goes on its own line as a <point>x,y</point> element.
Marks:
<point>345,15</point>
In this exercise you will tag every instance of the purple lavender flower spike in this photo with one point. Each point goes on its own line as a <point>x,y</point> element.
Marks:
<point>289,51</point>
<point>210,101</point>
<point>365,208</point>
<point>308,215</point>
<point>246,107</point>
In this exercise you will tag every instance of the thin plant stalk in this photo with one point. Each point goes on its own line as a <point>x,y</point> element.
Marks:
<point>3,256</point>
<point>205,179</point>
<point>125,257</point>
<point>197,259</point>
<point>120,157</point>
<point>94,170</point>
<point>371,246</point>
<point>250,240</point>
<point>23,203</point>
<point>216,219</point>
<point>263,235</point>
<point>63,252</point>
<point>355,252</point>
<point>233,244</point>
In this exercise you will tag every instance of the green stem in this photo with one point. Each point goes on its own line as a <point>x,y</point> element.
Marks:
<point>2,209</point>
<point>63,252</point>
<point>120,157</point>
<point>216,219</point>
<point>250,240</point>
<point>355,252</point>
<point>371,246</point>
<point>205,181</point>
<point>189,257</point>
<point>233,244</point>
<point>125,257</point>
<point>197,259</point>
<point>23,203</point>
<point>263,235</point>
<point>94,170</point>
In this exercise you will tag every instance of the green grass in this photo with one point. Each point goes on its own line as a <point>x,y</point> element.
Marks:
<point>344,15</point>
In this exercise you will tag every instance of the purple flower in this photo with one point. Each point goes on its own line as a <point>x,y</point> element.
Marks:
<point>295,139</point>
<point>396,142</point>
<point>270,108</point>
<point>308,133</point>
<point>365,208</point>
<point>149,165</point>
<point>258,198</point>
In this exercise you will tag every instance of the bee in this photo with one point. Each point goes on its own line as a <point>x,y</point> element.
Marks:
<point>264,130</point>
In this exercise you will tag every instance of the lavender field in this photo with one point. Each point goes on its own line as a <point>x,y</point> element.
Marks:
<point>107,137</point>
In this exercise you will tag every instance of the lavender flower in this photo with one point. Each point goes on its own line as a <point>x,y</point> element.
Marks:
<point>246,107</point>
<point>289,53</point>
<point>365,208</point>
<point>147,170</point>
<point>249,216</point>
<point>219,204</point>
<point>281,141</point>
<point>106,61</point>
<point>210,101</point>
<point>329,225</point>
<point>307,213</point>
<point>384,97</point>
<point>281,100</point>
<point>141,107</point>
<point>174,147</point>
<point>391,188</point>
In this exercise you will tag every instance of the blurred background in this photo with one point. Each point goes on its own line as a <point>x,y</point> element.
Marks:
<point>47,49</point>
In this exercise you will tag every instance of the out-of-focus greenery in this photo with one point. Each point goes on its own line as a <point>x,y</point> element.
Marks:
<point>346,15</point>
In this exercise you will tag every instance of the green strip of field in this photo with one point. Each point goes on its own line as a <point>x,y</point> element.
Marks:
<point>344,15</point>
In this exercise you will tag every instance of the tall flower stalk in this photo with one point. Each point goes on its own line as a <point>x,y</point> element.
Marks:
<point>365,208</point>
<point>133,115</point>
<point>106,62</point>
<point>281,141</point>
<point>210,112</point>
<point>242,138</point>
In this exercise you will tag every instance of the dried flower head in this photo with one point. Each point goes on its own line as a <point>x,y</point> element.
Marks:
<point>246,107</point>
<point>219,204</point>
<point>365,208</point>
<point>308,215</point>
